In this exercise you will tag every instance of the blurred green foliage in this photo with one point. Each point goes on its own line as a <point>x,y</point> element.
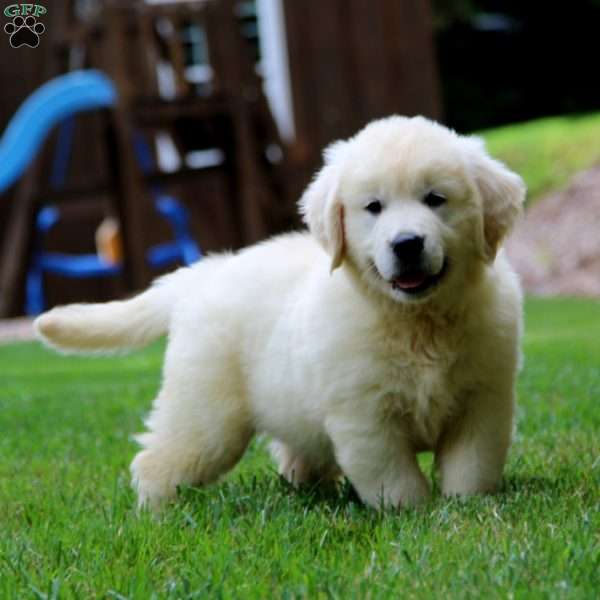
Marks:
<point>547,152</point>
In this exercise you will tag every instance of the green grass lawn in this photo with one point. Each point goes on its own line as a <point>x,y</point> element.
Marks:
<point>68,528</point>
<point>547,152</point>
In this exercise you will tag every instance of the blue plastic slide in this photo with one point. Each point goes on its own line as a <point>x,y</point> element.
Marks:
<point>55,104</point>
<point>52,103</point>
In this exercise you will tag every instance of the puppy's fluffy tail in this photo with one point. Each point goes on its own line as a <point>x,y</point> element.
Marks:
<point>112,326</point>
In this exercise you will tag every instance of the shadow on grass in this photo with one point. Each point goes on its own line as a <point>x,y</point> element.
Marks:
<point>340,493</point>
<point>270,494</point>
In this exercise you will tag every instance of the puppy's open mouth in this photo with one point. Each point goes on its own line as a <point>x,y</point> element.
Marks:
<point>415,282</point>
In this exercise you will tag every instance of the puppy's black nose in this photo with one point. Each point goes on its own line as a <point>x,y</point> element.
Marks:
<point>408,247</point>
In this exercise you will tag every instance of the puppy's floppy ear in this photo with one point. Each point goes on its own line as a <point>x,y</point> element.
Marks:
<point>502,195</point>
<point>322,210</point>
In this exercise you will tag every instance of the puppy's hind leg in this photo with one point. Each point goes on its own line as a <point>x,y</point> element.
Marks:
<point>298,469</point>
<point>198,430</point>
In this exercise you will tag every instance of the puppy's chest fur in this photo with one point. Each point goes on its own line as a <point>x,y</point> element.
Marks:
<point>422,388</point>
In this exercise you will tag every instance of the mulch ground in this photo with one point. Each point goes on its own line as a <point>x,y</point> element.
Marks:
<point>556,246</point>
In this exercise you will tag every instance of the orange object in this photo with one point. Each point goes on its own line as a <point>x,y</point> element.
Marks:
<point>109,242</point>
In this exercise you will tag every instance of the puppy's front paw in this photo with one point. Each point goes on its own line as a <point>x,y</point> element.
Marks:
<point>464,487</point>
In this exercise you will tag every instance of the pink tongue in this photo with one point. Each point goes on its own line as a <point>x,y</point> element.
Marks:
<point>410,281</point>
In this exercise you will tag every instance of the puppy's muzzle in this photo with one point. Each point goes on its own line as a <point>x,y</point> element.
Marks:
<point>413,273</point>
<point>408,248</point>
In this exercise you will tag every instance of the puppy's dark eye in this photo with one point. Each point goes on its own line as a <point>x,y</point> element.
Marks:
<point>374,207</point>
<point>434,199</point>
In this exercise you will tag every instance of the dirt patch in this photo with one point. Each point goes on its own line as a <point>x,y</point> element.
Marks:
<point>16,330</point>
<point>556,247</point>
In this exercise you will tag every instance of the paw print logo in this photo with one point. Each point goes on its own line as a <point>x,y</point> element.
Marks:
<point>24,31</point>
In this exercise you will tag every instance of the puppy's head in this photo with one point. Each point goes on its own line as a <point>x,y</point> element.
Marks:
<point>411,205</point>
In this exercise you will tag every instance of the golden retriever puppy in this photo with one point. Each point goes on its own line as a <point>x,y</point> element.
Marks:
<point>390,328</point>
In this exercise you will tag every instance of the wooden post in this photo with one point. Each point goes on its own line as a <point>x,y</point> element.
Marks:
<point>17,241</point>
<point>132,198</point>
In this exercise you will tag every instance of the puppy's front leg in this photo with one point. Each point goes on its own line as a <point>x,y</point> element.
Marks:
<point>472,453</point>
<point>376,456</point>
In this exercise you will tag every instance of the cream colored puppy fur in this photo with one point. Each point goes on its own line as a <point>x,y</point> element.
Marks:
<point>305,336</point>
